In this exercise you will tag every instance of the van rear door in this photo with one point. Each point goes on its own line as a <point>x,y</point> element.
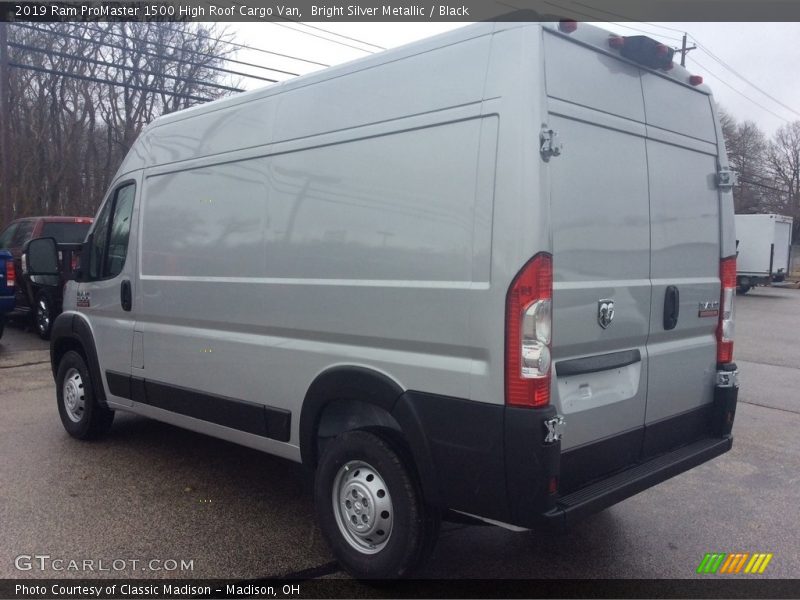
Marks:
<point>685,260</point>
<point>600,216</point>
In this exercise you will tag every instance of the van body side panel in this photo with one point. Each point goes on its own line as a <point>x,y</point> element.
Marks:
<point>288,264</point>
<point>520,223</point>
<point>342,98</point>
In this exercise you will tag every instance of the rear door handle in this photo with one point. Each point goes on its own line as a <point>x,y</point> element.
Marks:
<point>672,307</point>
<point>125,295</point>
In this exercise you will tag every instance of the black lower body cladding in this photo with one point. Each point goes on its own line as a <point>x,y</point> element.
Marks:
<point>487,460</point>
<point>492,461</point>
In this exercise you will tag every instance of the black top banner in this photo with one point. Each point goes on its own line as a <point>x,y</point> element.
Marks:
<point>404,10</point>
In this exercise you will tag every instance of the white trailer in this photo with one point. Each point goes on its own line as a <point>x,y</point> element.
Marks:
<point>763,244</point>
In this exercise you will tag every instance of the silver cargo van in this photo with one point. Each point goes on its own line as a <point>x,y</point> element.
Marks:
<point>488,275</point>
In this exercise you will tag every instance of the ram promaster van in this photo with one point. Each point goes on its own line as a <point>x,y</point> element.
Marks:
<point>487,275</point>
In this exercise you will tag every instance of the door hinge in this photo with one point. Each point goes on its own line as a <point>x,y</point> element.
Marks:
<point>726,179</point>
<point>549,143</point>
<point>555,429</point>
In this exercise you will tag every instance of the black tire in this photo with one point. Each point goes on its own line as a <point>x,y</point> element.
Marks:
<point>2,325</point>
<point>414,525</point>
<point>93,420</point>
<point>742,289</point>
<point>44,314</point>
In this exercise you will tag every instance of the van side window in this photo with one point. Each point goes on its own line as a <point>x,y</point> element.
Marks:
<point>120,232</point>
<point>111,233</point>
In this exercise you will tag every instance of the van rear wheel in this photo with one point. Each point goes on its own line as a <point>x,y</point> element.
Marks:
<point>370,507</point>
<point>82,416</point>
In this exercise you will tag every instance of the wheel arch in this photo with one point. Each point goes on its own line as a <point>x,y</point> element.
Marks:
<point>356,397</point>
<point>70,331</point>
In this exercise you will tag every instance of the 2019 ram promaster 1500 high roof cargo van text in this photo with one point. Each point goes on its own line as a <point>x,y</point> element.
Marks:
<point>489,273</point>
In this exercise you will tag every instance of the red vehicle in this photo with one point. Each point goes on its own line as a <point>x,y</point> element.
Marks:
<point>41,296</point>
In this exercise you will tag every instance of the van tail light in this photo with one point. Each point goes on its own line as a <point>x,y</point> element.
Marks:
<point>529,323</point>
<point>11,274</point>
<point>725,329</point>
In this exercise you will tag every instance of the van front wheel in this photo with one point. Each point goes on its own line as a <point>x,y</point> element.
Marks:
<point>82,416</point>
<point>370,507</point>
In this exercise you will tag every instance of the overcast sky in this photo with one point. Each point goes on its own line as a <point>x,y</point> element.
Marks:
<point>765,54</point>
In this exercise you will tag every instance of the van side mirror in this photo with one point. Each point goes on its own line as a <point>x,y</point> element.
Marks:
<point>41,256</point>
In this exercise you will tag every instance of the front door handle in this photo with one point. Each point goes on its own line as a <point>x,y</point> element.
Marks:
<point>125,297</point>
<point>672,307</point>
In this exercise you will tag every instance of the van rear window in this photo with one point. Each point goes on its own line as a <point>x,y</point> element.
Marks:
<point>66,233</point>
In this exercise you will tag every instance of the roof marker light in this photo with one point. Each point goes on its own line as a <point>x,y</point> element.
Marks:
<point>567,25</point>
<point>695,80</point>
<point>616,41</point>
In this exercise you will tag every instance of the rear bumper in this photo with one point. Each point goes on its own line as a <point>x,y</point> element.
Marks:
<point>494,462</point>
<point>611,490</point>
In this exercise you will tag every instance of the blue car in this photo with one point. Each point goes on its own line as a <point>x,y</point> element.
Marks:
<point>7,287</point>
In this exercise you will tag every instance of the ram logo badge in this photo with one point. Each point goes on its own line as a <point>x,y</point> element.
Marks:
<point>605,312</point>
<point>83,299</point>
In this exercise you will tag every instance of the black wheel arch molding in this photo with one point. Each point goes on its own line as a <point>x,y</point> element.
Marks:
<point>71,331</point>
<point>369,386</point>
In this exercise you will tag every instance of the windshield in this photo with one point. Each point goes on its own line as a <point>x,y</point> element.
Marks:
<point>66,233</point>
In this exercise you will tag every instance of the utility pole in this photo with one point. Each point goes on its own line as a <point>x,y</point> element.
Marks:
<point>685,51</point>
<point>5,168</point>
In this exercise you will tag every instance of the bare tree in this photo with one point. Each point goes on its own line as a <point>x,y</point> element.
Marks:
<point>87,92</point>
<point>783,160</point>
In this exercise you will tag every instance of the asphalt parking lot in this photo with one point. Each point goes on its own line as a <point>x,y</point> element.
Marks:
<point>152,491</point>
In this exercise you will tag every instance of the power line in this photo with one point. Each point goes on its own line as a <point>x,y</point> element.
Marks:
<point>613,14</point>
<point>666,37</point>
<point>253,48</point>
<point>321,37</point>
<point>146,53</point>
<point>198,53</point>
<point>742,94</point>
<point>663,27</point>
<point>110,64</point>
<point>235,5</point>
<point>132,86</point>
<point>747,81</point>
<point>713,57</point>
<point>347,37</point>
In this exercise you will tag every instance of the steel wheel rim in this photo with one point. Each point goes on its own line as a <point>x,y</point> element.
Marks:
<point>43,315</point>
<point>74,395</point>
<point>362,507</point>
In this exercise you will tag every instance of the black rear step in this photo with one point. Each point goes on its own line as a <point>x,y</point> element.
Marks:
<point>609,491</point>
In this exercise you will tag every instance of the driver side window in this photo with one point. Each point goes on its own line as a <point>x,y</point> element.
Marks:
<point>111,232</point>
